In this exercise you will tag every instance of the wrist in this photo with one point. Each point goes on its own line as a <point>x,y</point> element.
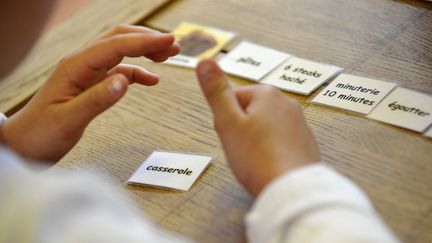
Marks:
<point>3,119</point>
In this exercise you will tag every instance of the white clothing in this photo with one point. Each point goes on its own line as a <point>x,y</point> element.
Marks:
<point>311,204</point>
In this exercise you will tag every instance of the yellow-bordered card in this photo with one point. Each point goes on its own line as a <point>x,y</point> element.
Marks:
<point>198,42</point>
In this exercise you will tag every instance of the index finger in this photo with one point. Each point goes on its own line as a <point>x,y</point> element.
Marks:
<point>157,56</point>
<point>95,60</point>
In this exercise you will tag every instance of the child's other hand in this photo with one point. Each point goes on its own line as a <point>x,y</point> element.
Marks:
<point>262,131</point>
<point>84,85</point>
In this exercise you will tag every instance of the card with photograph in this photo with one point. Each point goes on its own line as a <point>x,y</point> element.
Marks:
<point>198,42</point>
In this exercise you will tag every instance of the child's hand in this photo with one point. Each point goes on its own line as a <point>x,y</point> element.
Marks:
<point>262,131</point>
<point>82,86</point>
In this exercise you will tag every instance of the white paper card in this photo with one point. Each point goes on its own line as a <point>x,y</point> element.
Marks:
<point>300,75</point>
<point>182,60</point>
<point>354,93</point>
<point>170,170</point>
<point>405,108</point>
<point>428,133</point>
<point>252,61</point>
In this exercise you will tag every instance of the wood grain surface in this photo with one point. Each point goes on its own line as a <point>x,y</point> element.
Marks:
<point>73,33</point>
<point>390,40</point>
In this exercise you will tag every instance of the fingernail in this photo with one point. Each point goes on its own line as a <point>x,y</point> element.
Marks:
<point>116,86</point>
<point>206,71</point>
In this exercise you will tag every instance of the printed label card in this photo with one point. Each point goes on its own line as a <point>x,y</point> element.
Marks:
<point>198,42</point>
<point>170,170</point>
<point>354,93</point>
<point>252,61</point>
<point>428,133</point>
<point>301,76</point>
<point>405,108</point>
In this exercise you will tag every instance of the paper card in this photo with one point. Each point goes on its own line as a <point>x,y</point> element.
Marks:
<point>300,75</point>
<point>170,170</point>
<point>354,93</point>
<point>184,61</point>
<point>197,42</point>
<point>428,133</point>
<point>252,61</point>
<point>405,108</point>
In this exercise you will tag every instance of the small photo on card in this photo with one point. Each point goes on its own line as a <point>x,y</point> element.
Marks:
<point>197,42</point>
<point>301,76</point>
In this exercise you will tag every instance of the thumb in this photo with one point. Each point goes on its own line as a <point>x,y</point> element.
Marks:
<point>217,91</point>
<point>97,99</point>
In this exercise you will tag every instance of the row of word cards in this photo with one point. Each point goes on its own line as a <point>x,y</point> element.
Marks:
<point>379,100</point>
<point>269,66</point>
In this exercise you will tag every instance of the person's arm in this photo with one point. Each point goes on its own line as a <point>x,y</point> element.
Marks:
<point>63,207</point>
<point>273,154</point>
<point>315,204</point>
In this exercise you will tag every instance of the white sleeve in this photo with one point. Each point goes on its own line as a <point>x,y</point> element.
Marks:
<point>315,204</point>
<point>58,207</point>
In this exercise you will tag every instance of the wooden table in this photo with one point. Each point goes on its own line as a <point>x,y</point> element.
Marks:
<point>390,40</point>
